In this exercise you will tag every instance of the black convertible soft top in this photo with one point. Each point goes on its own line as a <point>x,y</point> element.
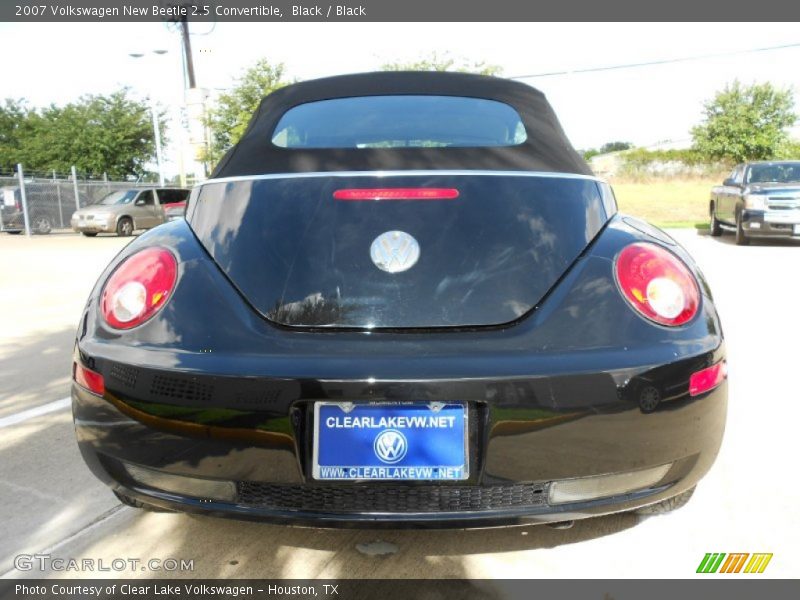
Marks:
<point>545,149</point>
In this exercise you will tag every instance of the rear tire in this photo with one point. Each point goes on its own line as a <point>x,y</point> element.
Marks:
<point>668,505</point>
<point>17,232</point>
<point>42,226</point>
<point>716,228</point>
<point>133,503</point>
<point>124,227</point>
<point>741,236</point>
<point>89,233</point>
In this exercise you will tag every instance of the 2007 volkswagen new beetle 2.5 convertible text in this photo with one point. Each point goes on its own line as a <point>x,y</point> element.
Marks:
<point>402,299</point>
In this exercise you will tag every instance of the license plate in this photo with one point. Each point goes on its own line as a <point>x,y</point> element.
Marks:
<point>413,441</point>
<point>797,229</point>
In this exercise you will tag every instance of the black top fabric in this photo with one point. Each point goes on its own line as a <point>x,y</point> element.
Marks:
<point>545,149</point>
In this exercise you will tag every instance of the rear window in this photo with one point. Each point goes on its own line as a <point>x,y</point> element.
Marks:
<point>172,196</point>
<point>407,121</point>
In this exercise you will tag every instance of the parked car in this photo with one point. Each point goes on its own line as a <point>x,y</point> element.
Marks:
<point>44,211</point>
<point>174,203</point>
<point>402,299</point>
<point>124,211</point>
<point>758,200</point>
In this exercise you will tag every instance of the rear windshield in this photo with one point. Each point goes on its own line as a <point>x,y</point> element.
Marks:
<point>400,122</point>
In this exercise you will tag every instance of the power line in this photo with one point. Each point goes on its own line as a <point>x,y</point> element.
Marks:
<point>656,62</point>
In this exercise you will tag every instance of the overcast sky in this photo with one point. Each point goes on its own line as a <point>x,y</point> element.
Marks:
<point>58,62</point>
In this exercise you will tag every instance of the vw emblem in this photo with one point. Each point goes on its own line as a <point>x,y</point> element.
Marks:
<point>390,446</point>
<point>394,251</point>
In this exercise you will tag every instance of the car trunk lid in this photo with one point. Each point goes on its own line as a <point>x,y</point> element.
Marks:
<point>415,250</point>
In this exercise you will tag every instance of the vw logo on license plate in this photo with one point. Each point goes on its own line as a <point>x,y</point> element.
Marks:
<point>390,446</point>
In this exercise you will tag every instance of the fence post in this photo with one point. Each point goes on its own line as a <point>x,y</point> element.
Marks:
<point>75,187</point>
<point>21,178</point>
<point>58,192</point>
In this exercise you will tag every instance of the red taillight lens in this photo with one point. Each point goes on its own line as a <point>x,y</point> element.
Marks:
<point>657,284</point>
<point>397,194</point>
<point>707,379</point>
<point>139,287</point>
<point>88,379</point>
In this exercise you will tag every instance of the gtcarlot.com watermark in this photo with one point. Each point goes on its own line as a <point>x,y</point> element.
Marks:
<point>46,562</point>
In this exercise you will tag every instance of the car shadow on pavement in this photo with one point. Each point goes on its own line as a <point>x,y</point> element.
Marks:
<point>35,369</point>
<point>226,548</point>
<point>729,239</point>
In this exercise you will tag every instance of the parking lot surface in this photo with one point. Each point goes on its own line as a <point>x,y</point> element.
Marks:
<point>52,505</point>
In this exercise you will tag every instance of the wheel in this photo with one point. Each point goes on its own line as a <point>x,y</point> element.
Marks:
<point>41,225</point>
<point>128,501</point>
<point>89,233</point>
<point>124,227</point>
<point>15,232</point>
<point>668,505</point>
<point>741,236</point>
<point>716,228</point>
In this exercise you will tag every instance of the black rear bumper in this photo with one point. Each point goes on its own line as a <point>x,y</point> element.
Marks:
<point>518,459</point>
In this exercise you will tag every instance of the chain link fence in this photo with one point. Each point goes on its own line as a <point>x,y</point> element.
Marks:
<point>41,205</point>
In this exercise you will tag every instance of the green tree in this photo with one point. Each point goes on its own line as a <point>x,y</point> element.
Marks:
<point>745,122</point>
<point>98,134</point>
<point>232,112</point>
<point>14,130</point>
<point>605,149</point>
<point>615,147</point>
<point>445,62</point>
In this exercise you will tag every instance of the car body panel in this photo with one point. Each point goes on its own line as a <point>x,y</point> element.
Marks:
<point>553,398</point>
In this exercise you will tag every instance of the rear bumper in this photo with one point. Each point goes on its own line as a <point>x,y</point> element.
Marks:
<point>518,459</point>
<point>775,224</point>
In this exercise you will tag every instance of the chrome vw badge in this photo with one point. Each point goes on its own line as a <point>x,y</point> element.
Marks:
<point>394,251</point>
<point>390,446</point>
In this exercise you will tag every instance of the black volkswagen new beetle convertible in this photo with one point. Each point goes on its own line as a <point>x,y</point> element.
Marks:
<point>401,298</point>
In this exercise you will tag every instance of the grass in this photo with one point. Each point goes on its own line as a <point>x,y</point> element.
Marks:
<point>666,202</point>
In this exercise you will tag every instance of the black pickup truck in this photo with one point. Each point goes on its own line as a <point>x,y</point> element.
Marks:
<point>758,199</point>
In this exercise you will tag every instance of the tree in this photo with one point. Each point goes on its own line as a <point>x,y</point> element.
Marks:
<point>606,148</point>
<point>14,130</point>
<point>615,147</point>
<point>98,134</point>
<point>229,118</point>
<point>444,62</point>
<point>745,122</point>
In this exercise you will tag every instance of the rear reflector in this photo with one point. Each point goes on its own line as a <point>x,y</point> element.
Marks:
<point>707,379</point>
<point>88,379</point>
<point>605,486</point>
<point>396,194</point>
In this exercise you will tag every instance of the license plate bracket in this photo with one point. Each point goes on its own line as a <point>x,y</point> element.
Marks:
<point>412,441</point>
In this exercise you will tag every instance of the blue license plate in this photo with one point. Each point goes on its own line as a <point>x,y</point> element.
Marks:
<point>413,441</point>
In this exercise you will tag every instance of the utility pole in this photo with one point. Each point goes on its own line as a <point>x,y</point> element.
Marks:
<point>187,52</point>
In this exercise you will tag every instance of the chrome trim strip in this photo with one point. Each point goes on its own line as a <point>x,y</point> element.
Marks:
<point>410,173</point>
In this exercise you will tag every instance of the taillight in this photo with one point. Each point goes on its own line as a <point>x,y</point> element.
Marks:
<point>657,284</point>
<point>365,194</point>
<point>139,287</point>
<point>707,379</point>
<point>88,379</point>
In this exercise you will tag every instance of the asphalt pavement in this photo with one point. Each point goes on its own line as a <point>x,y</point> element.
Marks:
<point>51,505</point>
